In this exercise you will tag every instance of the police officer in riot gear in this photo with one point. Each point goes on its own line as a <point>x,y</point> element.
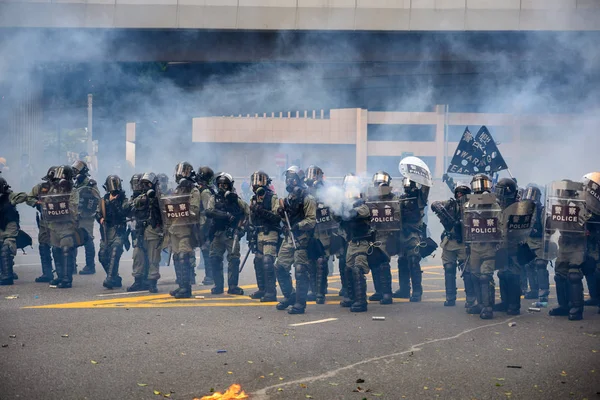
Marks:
<point>204,178</point>
<point>149,236</point>
<point>112,214</point>
<point>9,229</point>
<point>356,222</point>
<point>44,245</point>
<point>136,185</point>
<point>229,213</point>
<point>454,254</point>
<point>89,198</point>
<point>537,269</point>
<point>163,183</point>
<point>185,237</point>
<point>263,236</point>
<point>591,268</point>
<point>298,211</point>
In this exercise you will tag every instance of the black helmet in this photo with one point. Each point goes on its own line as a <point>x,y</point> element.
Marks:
<point>205,175</point>
<point>259,179</point>
<point>163,181</point>
<point>294,176</point>
<point>184,170</point>
<point>461,191</point>
<point>50,174</point>
<point>112,184</point>
<point>149,180</point>
<point>506,191</point>
<point>136,183</point>
<point>381,178</point>
<point>314,175</point>
<point>4,187</point>
<point>64,172</point>
<point>532,193</point>
<point>224,182</point>
<point>80,168</point>
<point>481,183</point>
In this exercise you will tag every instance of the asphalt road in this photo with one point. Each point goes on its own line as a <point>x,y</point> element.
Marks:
<point>91,343</point>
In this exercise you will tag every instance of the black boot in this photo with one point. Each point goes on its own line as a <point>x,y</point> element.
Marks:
<point>270,280</point>
<point>138,285</point>
<point>208,271</point>
<point>523,283</point>
<point>6,271</point>
<point>469,289</point>
<point>217,267</point>
<point>343,276</point>
<point>404,279</point>
<point>69,255</point>
<point>233,277</point>
<point>360,291</point>
<point>90,264</point>
<point>416,278</point>
<point>312,282</point>
<point>302,285</point>
<point>375,274</point>
<point>450,284</point>
<point>178,273</point>
<point>322,272</point>
<point>575,296</point>
<point>488,296</point>
<point>385,276</point>
<point>532,277</point>
<point>287,289</point>
<point>113,279</point>
<point>259,272</point>
<point>543,278</point>
<point>46,260</point>
<point>185,280</point>
<point>152,288</point>
<point>562,296</point>
<point>514,295</point>
<point>504,294</point>
<point>478,304</point>
<point>58,262</point>
<point>349,298</point>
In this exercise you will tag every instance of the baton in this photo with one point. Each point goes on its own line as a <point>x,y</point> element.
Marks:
<point>287,221</point>
<point>245,259</point>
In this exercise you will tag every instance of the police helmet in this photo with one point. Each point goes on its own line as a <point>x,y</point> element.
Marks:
<point>184,170</point>
<point>259,179</point>
<point>381,178</point>
<point>4,187</point>
<point>64,172</point>
<point>461,191</point>
<point>205,175</point>
<point>112,184</point>
<point>224,182</point>
<point>506,191</point>
<point>532,193</point>
<point>136,182</point>
<point>314,175</point>
<point>50,174</point>
<point>80,168</point>
<point>294,173</point>
<point>481,183</point>
<point>149,180</point>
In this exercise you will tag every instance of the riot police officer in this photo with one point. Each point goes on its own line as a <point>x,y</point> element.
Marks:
<point>112,214</point>
<point>149,236</point>
<point>454,254</point>
<point>9,229</point>
<point>229,213</point>
<point>356,221</point>
<point>263,237</point>
<point>204,178</point>
<point>591,182</point>
<point>89,198</point>
<point>298,211</point>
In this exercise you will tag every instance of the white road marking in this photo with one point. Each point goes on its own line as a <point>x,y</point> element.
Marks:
<point>314,322</point>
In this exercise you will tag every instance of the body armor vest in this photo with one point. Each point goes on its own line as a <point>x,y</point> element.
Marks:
<point>411,212</point>
<point>115,215</point>
<point>260,221</point>
<point>149,215</point>
<point>296,208</point>
<point>357,228</point>
<point>8,212</point>
<point>233,208</point>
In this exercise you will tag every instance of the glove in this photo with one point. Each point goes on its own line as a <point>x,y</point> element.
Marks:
<point>230,217</point>
<point>151,194</point>
<point>281,212</point>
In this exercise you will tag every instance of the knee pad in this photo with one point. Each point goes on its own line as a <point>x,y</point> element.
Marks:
<point>485,279</point>
<point>268,260</point>
<point>575,276</point>
<point>301,269</point>
<point>450,268</point>
<point>559,278</point>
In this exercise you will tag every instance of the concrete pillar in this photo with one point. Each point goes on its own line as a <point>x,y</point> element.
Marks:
<point>439,140</point>
<point>314,114</point>
<point>130,143</point>
<point>361,140</point>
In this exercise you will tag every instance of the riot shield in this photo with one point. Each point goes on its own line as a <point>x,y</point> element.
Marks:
<point>88,202</point>
<point>481,219</point>
<point>175,210</point>
<point>325,219</point>
<point>416,170</point>
<point>517,222</point>
<point>385,215</point>
<point>55,208</point>
<point>591,183</point>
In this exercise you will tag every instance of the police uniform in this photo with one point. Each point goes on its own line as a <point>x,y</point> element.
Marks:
<point>114,214</point>
<point>44,247</point>
<point>89,198</point>
<point>9,229</point>
<point>206,192</point>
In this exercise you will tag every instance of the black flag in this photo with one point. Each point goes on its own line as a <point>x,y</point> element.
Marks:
<point>477,154</point>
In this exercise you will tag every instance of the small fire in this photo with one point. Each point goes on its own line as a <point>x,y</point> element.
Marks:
<point>234,392</point>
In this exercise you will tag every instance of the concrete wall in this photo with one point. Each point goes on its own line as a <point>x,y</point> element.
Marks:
<point>391,15</point>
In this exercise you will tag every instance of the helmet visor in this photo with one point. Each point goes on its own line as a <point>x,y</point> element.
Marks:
<point>258,179</point>
<point>381,179</point>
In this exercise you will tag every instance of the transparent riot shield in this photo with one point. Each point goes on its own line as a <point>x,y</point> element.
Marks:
<point>55,208</point>
<point>591,187</point>
<point>517,222</point>
<point>564,214</point>
<point>481,219</point>
<point>325,220</point>
<point>175,210</point>
<point>385,215</point>
<point>416,170</point>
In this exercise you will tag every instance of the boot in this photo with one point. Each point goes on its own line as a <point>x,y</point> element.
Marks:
<point>177,267</point>
<point>349,298</point>
<point>469,290</point>
<point>514,295</point>
<point>152,288</point>
<point>404,279</point>
<point>208,271</point>
<point>46,260</point>
<point>58,262</point>
<point>113,280</point>
<point>233,277</point>
<point>259,272</point>
<point>532,277</point>
<point>590,279</point>
<point>270,284</point>
<point>488,296</point>
<point>303,279</point>
<point>217,267</point>
<point>68,268</point>
<point>523,283</point>
<point>185,285</point>
<point>450,284</point>
<point>312,279</point>
<point>343,279</point>
<point>416,277</point>
<point>504,294</point>
<point>360,291</point>
<point>287,289</point>
<point>478,304</point>
<point>543,278</point>
<point>375,273</point>
<point>90,265</point>
<point>138,285</point>
<point>6,271</point>
<point>575,296</point>
<point>322,272</point>
<point>385,276</point>
<point>562,296</point>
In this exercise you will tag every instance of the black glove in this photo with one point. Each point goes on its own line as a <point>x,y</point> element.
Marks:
<point>151,194</point>
<point>281,212</point>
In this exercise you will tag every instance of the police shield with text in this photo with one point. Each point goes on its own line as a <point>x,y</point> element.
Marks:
<point>591,184</point>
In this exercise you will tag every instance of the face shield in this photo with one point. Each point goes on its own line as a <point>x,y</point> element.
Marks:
<point>314,175</point>
<point>481,184</point>
<point>183,171</point>
<point>258,179</point>
<point>113,184</point>
<point>381,179</point>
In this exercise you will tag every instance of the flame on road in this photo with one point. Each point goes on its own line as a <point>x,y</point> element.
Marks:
<point>234,392</point>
